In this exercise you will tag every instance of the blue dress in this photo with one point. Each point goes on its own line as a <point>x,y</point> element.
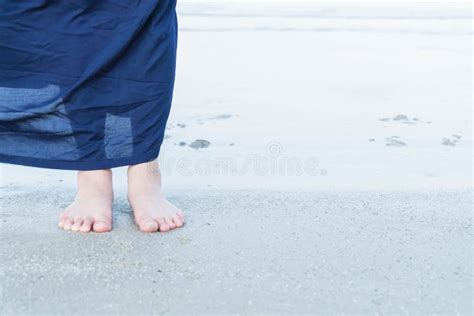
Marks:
<point>85,84</point>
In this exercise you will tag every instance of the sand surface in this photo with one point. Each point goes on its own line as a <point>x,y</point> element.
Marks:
<point>245,252</point>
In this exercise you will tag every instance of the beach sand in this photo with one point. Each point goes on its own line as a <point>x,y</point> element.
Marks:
<point>245,252</point>
<point>322,154</point>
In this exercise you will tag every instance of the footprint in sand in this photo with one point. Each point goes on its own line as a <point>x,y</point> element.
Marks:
<point>394,141</point>
<point>451,141</point>
<point>200,143</point>
<point>401,117</point>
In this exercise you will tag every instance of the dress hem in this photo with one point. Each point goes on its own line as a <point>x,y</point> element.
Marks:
<point>74,165</point>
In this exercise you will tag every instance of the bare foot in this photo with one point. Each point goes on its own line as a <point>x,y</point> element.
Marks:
<point>92,206</point>
<point>152,211</point>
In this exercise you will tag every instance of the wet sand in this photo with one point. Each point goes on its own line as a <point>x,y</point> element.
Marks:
<point>369,96</point>
<point>245,252</point>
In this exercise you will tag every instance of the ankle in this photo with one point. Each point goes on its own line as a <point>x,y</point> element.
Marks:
<point>144,178</point>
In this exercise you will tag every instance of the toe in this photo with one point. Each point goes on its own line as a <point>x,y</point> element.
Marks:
<point>62,220</point>
<point>68,224</point>
<point>86,225</point>
<point>181,216</point>
<point>77,224</point>
<point>61,223</point>
<point>163,226</point>
<point>177,220</point>
<point>101,226</point>
<point>170,222</point>
<point>148,225</point>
